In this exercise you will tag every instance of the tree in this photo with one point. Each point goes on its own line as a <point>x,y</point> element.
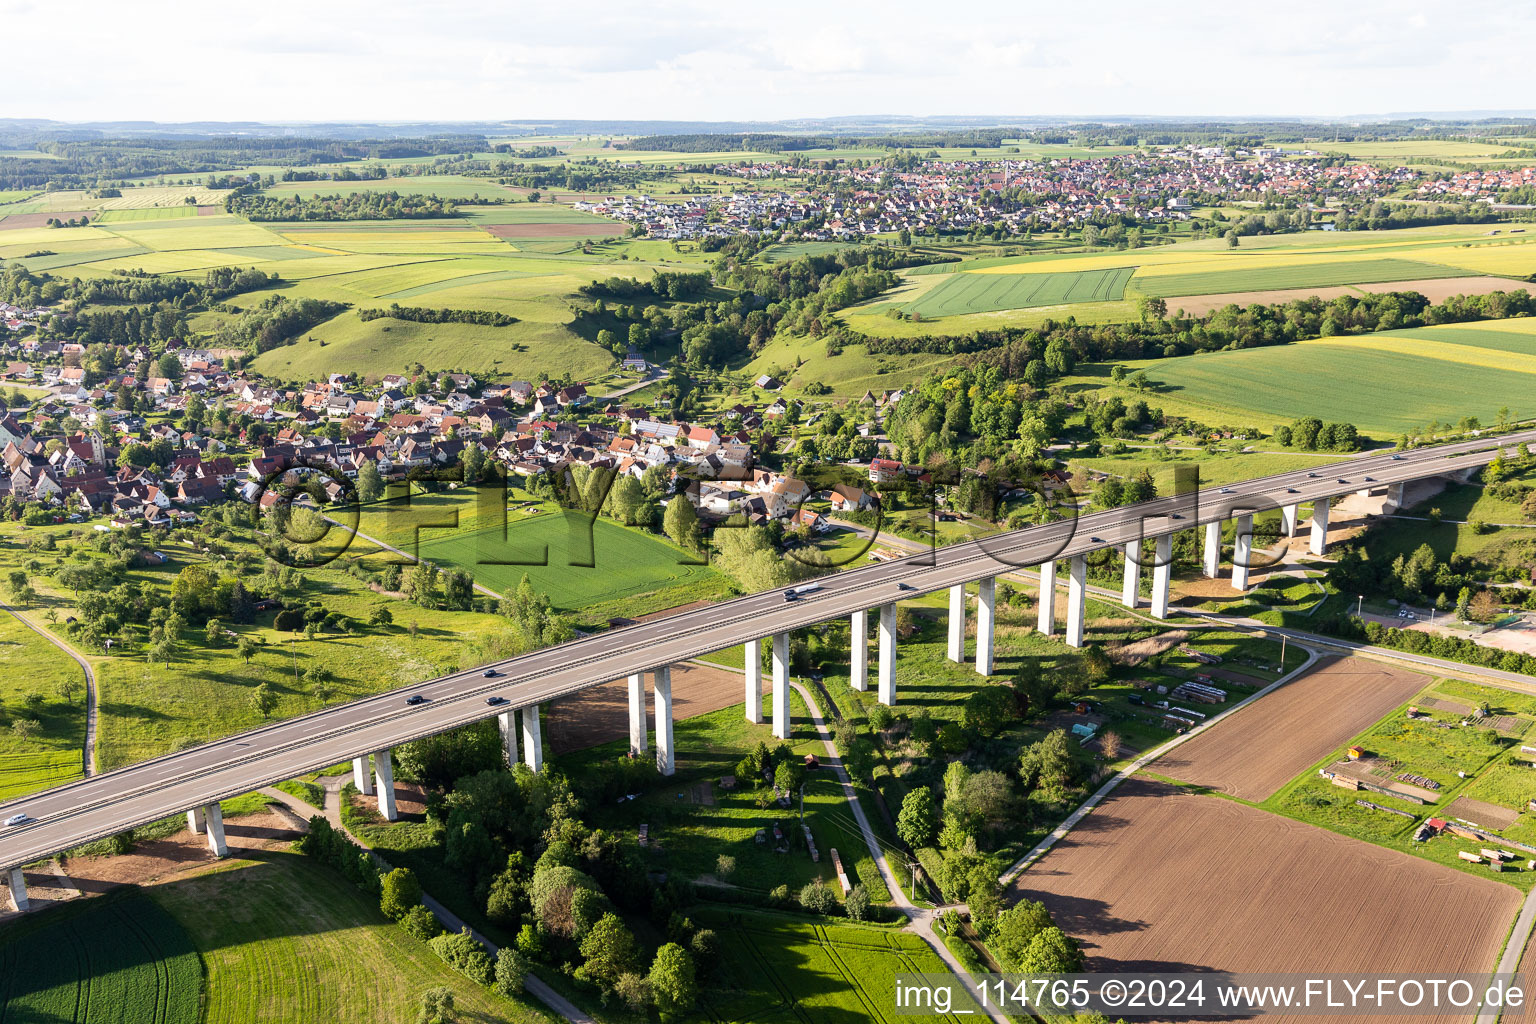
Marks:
<point>1013,931</point>
<point>436,1006</point>
<point>1051,951</point>
<point>682,523</point>
<point>370,484</point>
<point>609,951</point>
<point>264,700</point>
<point>674,985</point>
<point>1484,607</point>
<point>857,903</point>
<point>213,636</point>
<point>245,647</point>
<point>400,891</point>
<point>511,968</point>
<point>380,616</point>
<point>918,821</point>
<point>67,687</point>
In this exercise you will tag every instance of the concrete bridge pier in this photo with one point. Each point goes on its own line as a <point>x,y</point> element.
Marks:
<point>1129,592</point>
<point>1242,552</point>
<point>1077,599</point>
<point>1046,624</point>
<point>362,776</point>
<point>533,739</point>
<point>1395,497</point>
<point>858,650</point>
<point>752,661</point>
<point>1288,514</point>
<point>957,623</point>
<point>886,679</point>
<point>1318,542</point>
<point>195,820</point>
<point>215,817</point>
<point>665,756</point>
<point>18,886</point>
<point>986,623</point>
<point>636,694</point>
<point>506,724</point>
<point>384,774</point>
<point>1211,563</point>
<point>781,685</point>
<point>1162,576</point>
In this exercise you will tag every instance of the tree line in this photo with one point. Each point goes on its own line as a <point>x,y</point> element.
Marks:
<point>432,315</point>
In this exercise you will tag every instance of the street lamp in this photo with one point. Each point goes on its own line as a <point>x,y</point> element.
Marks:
<point>1358,605</point>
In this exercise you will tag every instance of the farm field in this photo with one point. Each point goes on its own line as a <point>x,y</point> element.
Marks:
<point>285,939</point>
<point>781,970</point>
<point>1156,879</point>
<point>1436,290</point>
<point>1384,383</point>
<point>1256,751</point>
<point>445,186</point>
<point>1440,261</point>
<point>115,959</point>
<point>461,262</point>
<point>977,293</point>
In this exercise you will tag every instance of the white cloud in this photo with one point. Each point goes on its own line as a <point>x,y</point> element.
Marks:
<point>700,59</point>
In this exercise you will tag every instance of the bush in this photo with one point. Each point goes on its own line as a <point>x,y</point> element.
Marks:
<point>817,898</point>
<point>464,954</point>
<point>398,893</point>
<point>779,896</point>
<point>422,923</point>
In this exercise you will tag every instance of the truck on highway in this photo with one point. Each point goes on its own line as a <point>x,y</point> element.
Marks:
<point>793,593</point>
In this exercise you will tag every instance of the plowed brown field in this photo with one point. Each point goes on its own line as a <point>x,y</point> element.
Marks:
<point>1256,751</point>
<point>601,713</point>
<point>1156,879</point>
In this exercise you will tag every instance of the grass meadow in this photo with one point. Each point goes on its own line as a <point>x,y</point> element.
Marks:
<point>30,665</point>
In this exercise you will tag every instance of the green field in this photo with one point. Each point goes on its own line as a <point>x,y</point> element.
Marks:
<point>1384,383</point>
<point>1265,278</point>
<point>30,665</point>
<point>582,571</point>
<point>115,959</point>
<point>781,969</point>
<point>284,939</point>
<point>982,293</point>
<point>794,250</point>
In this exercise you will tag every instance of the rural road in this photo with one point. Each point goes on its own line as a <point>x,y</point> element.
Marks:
<point>653,373</point>
<point>88,752</point>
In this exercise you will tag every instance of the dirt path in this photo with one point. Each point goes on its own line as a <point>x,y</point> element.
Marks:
<point>88,753</point>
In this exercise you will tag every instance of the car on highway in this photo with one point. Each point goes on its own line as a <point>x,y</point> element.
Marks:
<point>1397,458</point>
<point>1312,476</point>
<point>415,698</point>
<point>490,673</point>
<point>17,819</point>
<point>905,586</point>
<point>495,701</point>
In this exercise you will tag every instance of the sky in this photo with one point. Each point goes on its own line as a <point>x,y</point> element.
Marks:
<point>724,60</point>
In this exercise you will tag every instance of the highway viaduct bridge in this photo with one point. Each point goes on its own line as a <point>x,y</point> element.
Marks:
<point>196,779</point>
